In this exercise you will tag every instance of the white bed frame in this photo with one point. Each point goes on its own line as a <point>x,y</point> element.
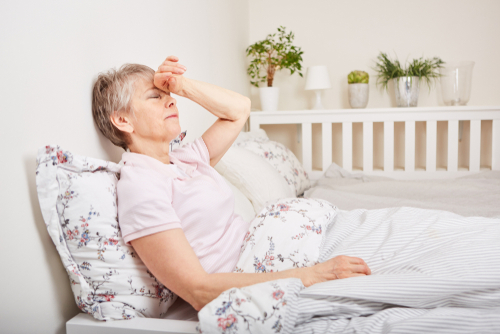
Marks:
<point>85,323</point>
<point>430,115</point>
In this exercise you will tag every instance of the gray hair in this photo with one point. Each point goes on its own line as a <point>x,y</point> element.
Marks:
<point>112,93</point>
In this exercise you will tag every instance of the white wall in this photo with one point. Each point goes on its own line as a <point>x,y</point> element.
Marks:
<point>51,51</point>
<point>348,35</point>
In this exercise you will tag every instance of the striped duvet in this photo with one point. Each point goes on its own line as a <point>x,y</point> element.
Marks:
<point>432,272</point>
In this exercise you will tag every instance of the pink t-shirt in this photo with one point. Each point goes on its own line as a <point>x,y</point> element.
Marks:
<point>154,197</point>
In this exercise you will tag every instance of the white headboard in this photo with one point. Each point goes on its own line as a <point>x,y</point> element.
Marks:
<point>430,115</point>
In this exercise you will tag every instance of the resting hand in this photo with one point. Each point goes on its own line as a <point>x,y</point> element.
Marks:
<point>339,267</point>
<point>169,77</point>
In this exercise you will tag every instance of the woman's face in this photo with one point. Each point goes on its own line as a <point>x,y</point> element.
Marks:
<point>157,117</point>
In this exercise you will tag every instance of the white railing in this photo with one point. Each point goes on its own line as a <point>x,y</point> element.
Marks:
<point>430,115</point>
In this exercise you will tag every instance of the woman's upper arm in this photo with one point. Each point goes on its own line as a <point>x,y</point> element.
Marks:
<point>221,135</point>
<point>172,260</point>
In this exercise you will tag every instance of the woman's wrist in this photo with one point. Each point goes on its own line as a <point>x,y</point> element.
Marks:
<point>186,90</point>
<point>301,273</point>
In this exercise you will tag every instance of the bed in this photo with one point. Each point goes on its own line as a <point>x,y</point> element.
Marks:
<point>473,192</point>
<point>468,190</point>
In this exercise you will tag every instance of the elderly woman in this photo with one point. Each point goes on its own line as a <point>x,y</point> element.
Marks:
<point>174,209</point>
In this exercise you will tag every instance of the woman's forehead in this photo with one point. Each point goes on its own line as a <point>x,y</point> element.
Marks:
<point>142,86</point>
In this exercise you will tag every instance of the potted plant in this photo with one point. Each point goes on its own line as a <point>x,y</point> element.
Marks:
<point>407,80</point>
<point>358,89</point>
<point>270,56</point>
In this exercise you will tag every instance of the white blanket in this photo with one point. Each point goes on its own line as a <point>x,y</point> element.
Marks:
<point>475,195</point>
<point>432,271</point>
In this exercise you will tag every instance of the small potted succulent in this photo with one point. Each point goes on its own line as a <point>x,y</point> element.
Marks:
<point>270,56</point>
<point>358,89</point>
<point>407,79</point>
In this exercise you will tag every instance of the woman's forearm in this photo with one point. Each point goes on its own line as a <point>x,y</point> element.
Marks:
<point>214,284</point>
<point>221,102</point>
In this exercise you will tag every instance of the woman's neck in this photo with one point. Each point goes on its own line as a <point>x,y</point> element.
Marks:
<point>159,151</point>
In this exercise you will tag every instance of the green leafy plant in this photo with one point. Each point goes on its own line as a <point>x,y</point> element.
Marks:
<point>358,77</point>
<point>271,56</point>
<point>427,69</point>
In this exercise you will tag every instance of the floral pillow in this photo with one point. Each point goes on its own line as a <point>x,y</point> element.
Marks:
<point>77,197</point>
<point>282,159</point>
<point>286,234</point>
<point>258,308</point>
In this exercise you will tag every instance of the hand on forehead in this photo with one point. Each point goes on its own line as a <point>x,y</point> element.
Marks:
<point>168,77</point>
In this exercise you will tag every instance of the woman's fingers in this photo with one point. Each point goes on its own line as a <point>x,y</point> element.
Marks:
<point>169,77</point>
<point>163,76</point>
<point>169,82</point>
<point>356,275</point>
<point>171,69</point>
<point>173,64</point>
<point>354,265</point>
<point>356,260</point>
<point>360,269</point>
<point>161,80</point>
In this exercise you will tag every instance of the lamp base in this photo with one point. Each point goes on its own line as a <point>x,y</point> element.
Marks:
<point>318,105</point>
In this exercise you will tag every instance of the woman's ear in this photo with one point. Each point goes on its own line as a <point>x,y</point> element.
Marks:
<point>121,122</point>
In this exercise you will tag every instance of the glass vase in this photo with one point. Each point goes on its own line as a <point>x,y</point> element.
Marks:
<point>456,82</point>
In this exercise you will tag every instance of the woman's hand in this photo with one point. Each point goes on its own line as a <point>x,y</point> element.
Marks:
<point>169,77</point>
<point>339,267</point>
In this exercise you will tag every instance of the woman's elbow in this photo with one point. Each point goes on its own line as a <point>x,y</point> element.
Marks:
<point>200,292</point>
<point>198,306</point>
<point>246,106</point>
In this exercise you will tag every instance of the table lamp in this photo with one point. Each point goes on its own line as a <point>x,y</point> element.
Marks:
<point>318,79</point>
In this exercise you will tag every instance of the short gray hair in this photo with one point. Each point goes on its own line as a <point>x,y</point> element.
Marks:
<point>113,92</point>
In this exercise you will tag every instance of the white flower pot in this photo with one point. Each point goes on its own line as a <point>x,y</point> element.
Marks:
<point>358,95</point>
<point>269,97</point>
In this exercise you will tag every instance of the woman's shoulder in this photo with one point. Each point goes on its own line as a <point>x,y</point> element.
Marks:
<point>192,152</point>
<point>142,173</point>
<point>142,183</point>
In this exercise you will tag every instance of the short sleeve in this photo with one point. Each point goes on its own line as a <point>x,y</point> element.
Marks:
<point>197,150</point>
<point>144,203</point>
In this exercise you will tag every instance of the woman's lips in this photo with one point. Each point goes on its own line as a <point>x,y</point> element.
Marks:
<point>172,116</point>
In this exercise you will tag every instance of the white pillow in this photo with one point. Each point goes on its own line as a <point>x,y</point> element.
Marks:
<point>253,176</point>
<point>251,135</point>
<point>281,158</point>
<point>77,197</point>
<point>242,205</point>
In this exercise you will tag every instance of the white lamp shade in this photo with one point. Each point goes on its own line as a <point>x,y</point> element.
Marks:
<point>318,78</point>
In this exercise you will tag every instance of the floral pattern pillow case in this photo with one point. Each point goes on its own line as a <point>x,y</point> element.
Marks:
<point>286,234</point>
<point>259,308</point>
<point>282,159</point>
<point>77,197</point>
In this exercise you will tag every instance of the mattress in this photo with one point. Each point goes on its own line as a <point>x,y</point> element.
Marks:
<point>473,195</point>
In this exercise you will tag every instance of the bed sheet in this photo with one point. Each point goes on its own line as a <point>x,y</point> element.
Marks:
<point>474,195</point>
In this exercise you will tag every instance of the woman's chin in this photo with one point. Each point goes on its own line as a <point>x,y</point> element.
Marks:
<point>177,131</point>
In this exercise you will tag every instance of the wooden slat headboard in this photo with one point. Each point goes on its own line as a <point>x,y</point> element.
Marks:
<point>430,115</point>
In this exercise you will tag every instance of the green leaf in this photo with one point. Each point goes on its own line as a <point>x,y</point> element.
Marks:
<point>280,55</point>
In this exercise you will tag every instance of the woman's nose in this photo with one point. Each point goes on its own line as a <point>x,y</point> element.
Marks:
<point>170,102</point>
